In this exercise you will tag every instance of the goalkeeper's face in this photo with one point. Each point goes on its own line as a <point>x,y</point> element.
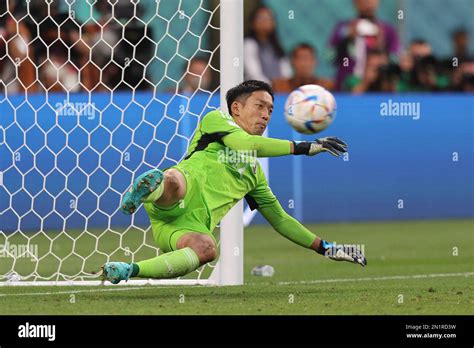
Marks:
<point>253,113</point>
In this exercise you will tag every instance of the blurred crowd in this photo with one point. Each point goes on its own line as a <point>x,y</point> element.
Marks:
<point>48,50</point>
<point>37,55</point>
<point>368,57</point>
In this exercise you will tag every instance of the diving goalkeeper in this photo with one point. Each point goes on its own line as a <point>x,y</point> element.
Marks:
<point>186,202</point>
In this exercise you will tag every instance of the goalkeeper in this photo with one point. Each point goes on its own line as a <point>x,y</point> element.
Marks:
<point>187,201</point>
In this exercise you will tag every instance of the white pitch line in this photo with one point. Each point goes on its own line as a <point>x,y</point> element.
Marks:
<point>416,276</point>
<point>319,281</point>
<point>73,291</point>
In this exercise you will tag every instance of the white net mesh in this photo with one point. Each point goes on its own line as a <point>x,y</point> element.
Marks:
<point>92,94</point>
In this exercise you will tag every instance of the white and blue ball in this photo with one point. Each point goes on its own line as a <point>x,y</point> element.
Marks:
<point>310,109</point>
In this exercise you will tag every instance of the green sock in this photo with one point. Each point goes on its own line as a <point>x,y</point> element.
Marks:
<point>170,265</point>
<point>135,270</point>
<point>155,195</point>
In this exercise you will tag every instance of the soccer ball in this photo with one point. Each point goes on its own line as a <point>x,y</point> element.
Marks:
<point>310,109</point>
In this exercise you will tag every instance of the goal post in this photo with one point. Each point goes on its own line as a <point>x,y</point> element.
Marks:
<point>72,142</point>
<point>232,73</point>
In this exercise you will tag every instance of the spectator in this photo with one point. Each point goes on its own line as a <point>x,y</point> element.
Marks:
<point>454,65</point>
<point>60,52</point>
<point>102,37</point>
<point>426,77</point>
<point>418,49</point>
<point>304,63</point>
<point>421,72</point>
<point>463,77</point>
<point>63,69</point>
<point>352,39</point>
<point>119,53</point>
<point>17,72</point>
<point>264,59</point>
<point>58,74</point>
<point>460,39</point>
<point>198,76</point>
<point>368,81</point>
<point>405,61</point>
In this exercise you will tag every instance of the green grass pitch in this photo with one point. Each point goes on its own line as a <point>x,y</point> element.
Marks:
<point>441,252</point>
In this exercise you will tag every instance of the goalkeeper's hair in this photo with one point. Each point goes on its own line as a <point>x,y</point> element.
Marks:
<point>243,90</point>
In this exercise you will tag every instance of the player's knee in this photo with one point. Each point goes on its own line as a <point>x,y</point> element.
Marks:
<point>174,183</point>
<point>171,179</point>
<point>209,253</point>
<point>204,247</point>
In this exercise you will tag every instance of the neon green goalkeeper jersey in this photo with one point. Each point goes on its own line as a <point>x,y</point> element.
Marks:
<point>220,169</point>
<point>227,155</point>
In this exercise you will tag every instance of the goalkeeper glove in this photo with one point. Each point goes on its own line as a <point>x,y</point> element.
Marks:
<point>332,145</point>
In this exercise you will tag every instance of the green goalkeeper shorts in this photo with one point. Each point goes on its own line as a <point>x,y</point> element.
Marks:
<point>191,214</point>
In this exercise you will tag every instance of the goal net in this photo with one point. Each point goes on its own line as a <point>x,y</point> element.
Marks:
<point>92,94</point>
